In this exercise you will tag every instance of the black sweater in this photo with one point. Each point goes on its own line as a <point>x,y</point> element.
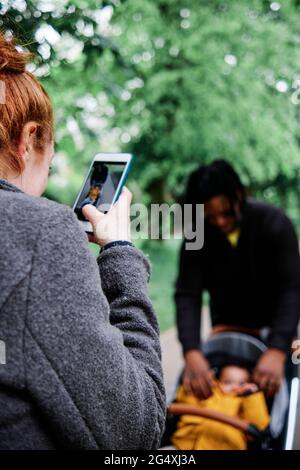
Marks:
<point>255,284</point>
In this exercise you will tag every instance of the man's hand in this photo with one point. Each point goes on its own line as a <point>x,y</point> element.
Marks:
<point>197,376</point>
<point>269,371</point>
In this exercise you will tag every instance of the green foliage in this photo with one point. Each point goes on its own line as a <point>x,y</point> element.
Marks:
<point>177,82</point>
<point>164,261</point>
<point>219,84</point>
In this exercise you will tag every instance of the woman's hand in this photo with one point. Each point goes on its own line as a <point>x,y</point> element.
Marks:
<point>269,371</point>
<point>115,225</point>
<point>197,376</point>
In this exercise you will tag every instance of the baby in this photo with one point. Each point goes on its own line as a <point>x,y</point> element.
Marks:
<point>92,196</point>
<point>234,395</point>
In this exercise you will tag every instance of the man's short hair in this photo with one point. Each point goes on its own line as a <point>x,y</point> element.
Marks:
<point>216,179</point>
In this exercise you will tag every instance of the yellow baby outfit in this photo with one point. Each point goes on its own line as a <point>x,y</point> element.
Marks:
<point>197,433</point>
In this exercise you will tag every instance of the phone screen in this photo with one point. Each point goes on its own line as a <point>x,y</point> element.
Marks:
<point>100,187</point>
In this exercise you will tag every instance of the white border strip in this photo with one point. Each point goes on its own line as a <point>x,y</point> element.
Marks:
<point>292,414</point>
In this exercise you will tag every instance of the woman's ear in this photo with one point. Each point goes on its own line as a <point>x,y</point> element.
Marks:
<point>26,141</point>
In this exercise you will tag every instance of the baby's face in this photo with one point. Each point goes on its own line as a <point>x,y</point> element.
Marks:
<point>94,192</point>
<point>232,377</point>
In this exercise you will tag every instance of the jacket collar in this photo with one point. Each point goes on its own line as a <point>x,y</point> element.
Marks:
<point>7,186</point>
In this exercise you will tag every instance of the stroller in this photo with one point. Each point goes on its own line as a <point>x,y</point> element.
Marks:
<point>233,347</point>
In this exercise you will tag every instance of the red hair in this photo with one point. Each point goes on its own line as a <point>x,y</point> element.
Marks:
<point>22,99</point>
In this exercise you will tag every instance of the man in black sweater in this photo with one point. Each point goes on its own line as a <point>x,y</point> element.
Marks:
<point>250,266</point>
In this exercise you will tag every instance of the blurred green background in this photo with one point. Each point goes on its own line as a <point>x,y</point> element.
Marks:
<point>178,83</point>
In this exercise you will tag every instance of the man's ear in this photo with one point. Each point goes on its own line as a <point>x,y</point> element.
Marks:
<point>26,141</point>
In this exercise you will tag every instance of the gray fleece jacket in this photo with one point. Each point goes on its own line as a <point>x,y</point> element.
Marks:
<point>82,354</point>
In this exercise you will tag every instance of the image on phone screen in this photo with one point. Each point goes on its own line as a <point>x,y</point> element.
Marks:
<point>100,187</point>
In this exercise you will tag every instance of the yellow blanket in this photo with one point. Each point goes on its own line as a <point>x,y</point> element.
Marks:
<point>197,433</point>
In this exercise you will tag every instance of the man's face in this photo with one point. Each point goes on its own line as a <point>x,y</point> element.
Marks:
<point>220,214</point>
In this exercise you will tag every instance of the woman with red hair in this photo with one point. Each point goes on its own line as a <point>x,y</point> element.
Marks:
<point>82,365</point>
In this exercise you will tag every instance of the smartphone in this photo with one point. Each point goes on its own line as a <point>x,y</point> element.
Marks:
<point>103,184</point>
